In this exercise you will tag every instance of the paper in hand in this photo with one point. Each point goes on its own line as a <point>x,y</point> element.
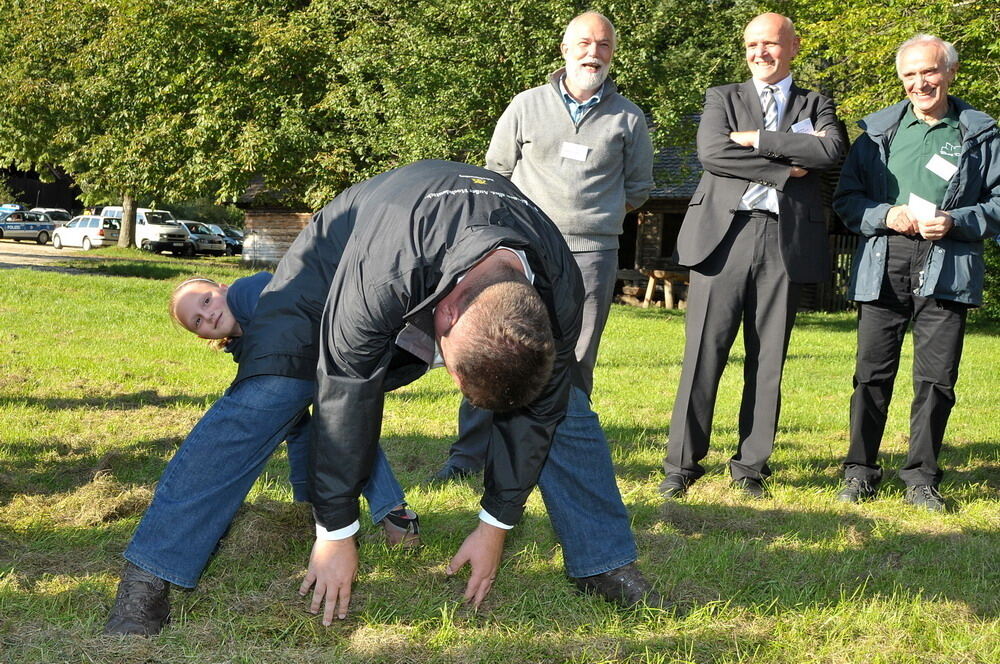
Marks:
<point>921,209</point>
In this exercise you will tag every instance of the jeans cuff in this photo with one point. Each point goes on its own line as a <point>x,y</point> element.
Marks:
<point>576,574</point>
<point>156,570</point>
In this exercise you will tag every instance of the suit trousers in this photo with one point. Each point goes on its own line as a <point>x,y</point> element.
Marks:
<point>599,269</point>
<point>938,336</point>
<point>743,281</point>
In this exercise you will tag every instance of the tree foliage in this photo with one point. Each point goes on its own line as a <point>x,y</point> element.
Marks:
<point>174,99</point>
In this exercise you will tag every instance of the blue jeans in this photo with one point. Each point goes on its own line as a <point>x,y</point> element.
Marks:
<point>210,475</point>
<point>582,498</point>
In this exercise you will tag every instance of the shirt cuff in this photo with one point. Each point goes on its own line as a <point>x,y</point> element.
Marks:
<point>756,141</point>
<point>338,534</point>
<point>487,518</point>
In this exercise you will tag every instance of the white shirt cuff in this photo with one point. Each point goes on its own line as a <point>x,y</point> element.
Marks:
<point>338,534</point>
<point>756,141</point>
<point>487,518</point>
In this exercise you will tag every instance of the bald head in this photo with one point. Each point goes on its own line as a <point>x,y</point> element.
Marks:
<point>771,45</point>
<point>590,21</point>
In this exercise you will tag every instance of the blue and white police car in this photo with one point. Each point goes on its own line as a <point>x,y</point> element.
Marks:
<point>20,225</point>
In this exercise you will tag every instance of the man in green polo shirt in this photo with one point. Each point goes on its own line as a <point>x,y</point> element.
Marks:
<point>921,186</point>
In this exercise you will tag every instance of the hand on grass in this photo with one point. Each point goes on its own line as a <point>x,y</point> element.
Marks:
<point>332,568</point>
<point>482,550</point>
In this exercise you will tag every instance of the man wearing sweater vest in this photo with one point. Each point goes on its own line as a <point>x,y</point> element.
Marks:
<point>582,153</point>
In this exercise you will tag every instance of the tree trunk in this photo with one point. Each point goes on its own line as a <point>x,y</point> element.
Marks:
<point>126,236</point>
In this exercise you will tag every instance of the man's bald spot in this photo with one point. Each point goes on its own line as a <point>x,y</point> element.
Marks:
<point>590,16</point>
<point>784,23</point>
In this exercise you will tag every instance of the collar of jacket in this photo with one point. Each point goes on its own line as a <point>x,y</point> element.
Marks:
<point>609,90</point>
<point>470,247</point>
<point>793,104</point>
<point>975,125</point>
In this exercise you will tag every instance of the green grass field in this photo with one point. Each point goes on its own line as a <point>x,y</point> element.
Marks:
<point>98,388</point>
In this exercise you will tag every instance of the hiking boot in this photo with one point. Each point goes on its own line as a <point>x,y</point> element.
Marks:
<point>926,496</point>
<point>142,605</point>
<point>624,586</point>
<point>674,485</point>
<point>857,490</point>
<point>402,528</point>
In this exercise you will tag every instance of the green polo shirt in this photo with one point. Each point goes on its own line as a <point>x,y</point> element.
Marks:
<point>913,147</point>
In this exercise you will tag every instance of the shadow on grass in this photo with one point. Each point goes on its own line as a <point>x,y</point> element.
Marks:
<point>756,557</point>
<point>153,269</point>
<point>130,401</point>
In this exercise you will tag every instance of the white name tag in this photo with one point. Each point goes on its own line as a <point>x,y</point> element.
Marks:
<point>574,151</point>
<point>921,209</point>
<point>803,127</point>
<point>942,168</point>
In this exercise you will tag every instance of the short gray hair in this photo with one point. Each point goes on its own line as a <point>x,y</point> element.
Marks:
<point>947,48</point>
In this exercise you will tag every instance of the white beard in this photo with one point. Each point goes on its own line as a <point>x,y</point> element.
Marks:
<point>584,79</point>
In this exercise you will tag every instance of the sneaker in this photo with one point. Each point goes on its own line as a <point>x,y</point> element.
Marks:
<point>449,471</point>
<point>402,528</point>
<point>674,485</point>
<point>857,490</point>
<point>142,605</point>
<point>926,496</point>
<point>749,486</point>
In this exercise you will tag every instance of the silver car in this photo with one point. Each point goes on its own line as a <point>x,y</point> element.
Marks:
<point>205,241</point>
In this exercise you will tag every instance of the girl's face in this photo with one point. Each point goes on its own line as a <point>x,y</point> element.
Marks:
<point>201,308</point>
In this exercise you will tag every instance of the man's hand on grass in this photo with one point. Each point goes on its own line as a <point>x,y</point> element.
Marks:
<point>332,568</point>
<point>482,550</point>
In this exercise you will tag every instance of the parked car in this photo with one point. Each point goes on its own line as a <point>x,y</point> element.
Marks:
<point>155,230</point>
<point>18,225</point>
<point>59,216</point>
<point>87,231</point>
<point>205,241</point>
<point>233,237</point>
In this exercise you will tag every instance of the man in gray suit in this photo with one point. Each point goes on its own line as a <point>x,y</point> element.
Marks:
<point>754,232</point>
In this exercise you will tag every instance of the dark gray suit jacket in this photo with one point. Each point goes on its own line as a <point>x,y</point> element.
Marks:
<point>730,168</point>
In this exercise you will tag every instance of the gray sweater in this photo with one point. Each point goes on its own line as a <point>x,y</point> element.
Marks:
<point>586,199</point>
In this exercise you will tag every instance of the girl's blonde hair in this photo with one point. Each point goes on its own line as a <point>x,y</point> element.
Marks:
<point>217,344</point>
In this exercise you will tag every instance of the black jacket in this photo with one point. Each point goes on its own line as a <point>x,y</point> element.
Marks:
<point>376,260</point>
<point>730,168</point>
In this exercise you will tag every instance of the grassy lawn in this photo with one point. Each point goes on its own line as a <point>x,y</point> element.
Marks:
<point>98,389</point>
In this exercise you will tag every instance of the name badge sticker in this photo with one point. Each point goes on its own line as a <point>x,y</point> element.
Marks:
<point>941,167</point>
<point>803,127</point>
<point>574,151</point>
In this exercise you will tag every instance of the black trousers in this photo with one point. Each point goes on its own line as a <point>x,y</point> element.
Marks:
<point>743,282</point>
<point>938,333</point>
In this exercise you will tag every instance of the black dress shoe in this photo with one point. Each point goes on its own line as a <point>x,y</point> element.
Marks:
<point>142,605</point>
<point>449,471</point>
<point>624,586</point>
<point>857,490</point>
<point>674,485</point>
<point>750,486</point>
<point>926,496</point>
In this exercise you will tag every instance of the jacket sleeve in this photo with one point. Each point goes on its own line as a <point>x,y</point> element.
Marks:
<point>813,153</point>
<point>355,350</point>
<point>505,146</point>
<point>981,220</point>
<point>520,444</point>
<point>853,200</point>
<point>638,164</point>
<point>723,157</point>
